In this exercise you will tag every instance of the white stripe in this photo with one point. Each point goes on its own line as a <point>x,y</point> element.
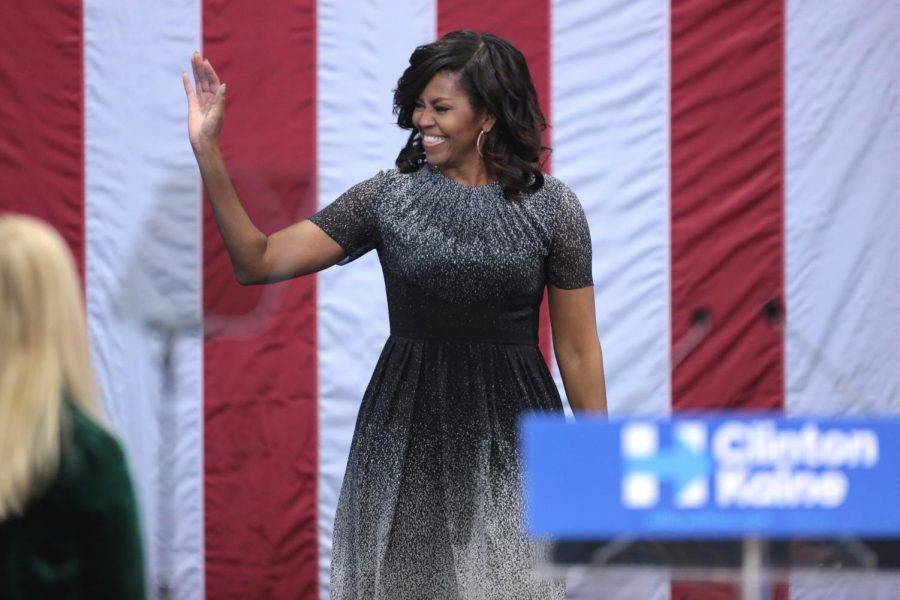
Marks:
<point>611,583</point>
<point>143,268</point>
<point>610,86</point>
<point>842,344</point>
<point>610,83</point>
<point>844,584</point>
<point>362,52</point>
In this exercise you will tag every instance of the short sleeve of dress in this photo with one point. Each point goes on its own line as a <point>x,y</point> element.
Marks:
<point>350,220</point>
<point>569,261</point>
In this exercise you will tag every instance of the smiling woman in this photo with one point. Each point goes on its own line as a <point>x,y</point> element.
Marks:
<point>450,130</point>
<point>478,85</point>
<point>469,233</point>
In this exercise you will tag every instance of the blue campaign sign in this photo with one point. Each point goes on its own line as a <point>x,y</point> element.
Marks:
<point>711,477</point>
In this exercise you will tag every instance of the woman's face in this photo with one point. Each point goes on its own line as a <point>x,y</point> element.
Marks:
<point>448,124</point>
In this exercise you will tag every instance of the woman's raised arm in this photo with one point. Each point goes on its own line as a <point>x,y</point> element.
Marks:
<point>297,250</point>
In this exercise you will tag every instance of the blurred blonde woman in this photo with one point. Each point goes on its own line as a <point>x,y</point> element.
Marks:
<point>68,519</point>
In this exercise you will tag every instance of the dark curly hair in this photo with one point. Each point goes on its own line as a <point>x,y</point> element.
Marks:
<point>495,76</point>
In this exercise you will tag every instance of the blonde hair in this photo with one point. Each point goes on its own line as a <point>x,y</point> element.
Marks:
<point>44,357</point>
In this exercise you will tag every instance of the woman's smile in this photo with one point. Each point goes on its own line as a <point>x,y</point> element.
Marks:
<point>430,141</point>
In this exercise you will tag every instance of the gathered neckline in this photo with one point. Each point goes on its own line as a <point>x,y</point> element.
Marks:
<point>493,186</point>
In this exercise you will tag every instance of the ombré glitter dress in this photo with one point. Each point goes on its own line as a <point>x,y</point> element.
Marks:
<point>431,503</point>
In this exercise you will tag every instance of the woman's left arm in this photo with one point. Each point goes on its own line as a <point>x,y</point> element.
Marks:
<point>577,347</point>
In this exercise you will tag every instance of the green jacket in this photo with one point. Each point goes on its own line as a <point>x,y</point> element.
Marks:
<point>81,538</point>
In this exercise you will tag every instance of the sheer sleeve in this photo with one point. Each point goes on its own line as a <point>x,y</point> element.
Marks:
<point>350,220</point>
<point>569,261</point>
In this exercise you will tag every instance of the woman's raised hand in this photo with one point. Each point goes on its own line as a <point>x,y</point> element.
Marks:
<point>206,105</point>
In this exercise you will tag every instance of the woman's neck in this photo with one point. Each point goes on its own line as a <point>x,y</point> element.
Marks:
<point>475,175</point>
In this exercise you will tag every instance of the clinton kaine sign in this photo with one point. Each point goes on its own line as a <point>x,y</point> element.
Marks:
<point>711,477</point>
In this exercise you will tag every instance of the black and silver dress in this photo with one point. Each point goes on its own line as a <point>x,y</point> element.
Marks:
<point>431,504</point>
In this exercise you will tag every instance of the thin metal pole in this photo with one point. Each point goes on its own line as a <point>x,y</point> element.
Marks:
<point>754,584</point>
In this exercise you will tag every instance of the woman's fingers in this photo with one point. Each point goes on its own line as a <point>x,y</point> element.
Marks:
<point>207,80</point>
<point>209,89</point>
<point>204,82</point>
<point>217,110</point>
<point>193,102</point>
<point>206,104</point>
<point>196,63</point>
<point>188,88</point>
<point>213,78</point>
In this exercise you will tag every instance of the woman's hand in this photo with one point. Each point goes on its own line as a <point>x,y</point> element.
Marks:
<point>297,250</point>
<point>206,106</point>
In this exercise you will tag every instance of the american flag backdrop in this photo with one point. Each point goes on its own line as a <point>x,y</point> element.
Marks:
<point>738,160</point>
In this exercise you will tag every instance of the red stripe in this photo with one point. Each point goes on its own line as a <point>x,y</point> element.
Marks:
<point>727,199</point>
<point>526,25</point>
<point>727,210</point>
<point>260,350</point>
<point>42,115</point>
<point>719,591</point>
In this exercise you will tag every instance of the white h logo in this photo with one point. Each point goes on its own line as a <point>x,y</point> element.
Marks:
<point>685,465</point>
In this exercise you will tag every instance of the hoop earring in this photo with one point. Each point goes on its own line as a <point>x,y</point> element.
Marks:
<point>478,142</point>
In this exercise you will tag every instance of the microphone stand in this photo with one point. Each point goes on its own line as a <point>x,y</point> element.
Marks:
<point>773,312</point>
<point>167,421</point>
<point>701,325</point>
